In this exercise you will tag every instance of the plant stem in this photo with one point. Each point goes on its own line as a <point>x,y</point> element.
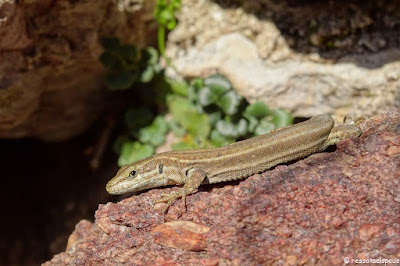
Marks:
<point>161,39</point>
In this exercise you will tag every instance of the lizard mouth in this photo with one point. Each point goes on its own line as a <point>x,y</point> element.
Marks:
<point>117,185</point>
<point>120,185</point>
<point>110,188</point>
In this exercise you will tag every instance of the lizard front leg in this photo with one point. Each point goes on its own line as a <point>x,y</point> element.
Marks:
<point>194,179</point>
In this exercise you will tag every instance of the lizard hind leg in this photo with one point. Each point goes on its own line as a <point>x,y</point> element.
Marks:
<point>348,129</point>
<point>194,179</point>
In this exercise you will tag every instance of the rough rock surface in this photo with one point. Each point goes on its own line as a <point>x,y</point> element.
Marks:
<point>309,57</point>
<point>51,84</point>
<point>320,210</point>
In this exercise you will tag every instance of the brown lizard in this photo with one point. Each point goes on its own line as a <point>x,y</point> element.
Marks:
<point>193,168</point>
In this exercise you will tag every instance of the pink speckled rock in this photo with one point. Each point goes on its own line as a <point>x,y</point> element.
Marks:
<point>318,210</point>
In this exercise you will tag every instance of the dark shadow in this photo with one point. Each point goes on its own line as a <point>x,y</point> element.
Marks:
<point>46,189</point>
<point>333,29</point>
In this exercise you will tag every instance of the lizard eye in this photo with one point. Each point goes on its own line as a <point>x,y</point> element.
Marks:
<point>132,174</point>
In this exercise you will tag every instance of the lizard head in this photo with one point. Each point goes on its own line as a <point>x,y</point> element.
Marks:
<point>137,176</point>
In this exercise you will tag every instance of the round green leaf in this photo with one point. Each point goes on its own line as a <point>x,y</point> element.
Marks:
<point>230,102</point>
<point>214,117</point>
<point>111,44</point>
<point>281,118</point>
<point>185,113</point>
<point>199,108</point>
<point>226,128</point>
<point>109,60</point>
<point>134,151</point>
<point>157,68</point>
<point>113,61</point>
<point>120,80</point>
<point>218,140</point>
<point>183,146</point>
<point>178,130</point>
<point>175,4</point>
<point>155,133</point>
<point>150,55</point>
<point>218,85</point>
<point>219,82</point>
<point>188,142</point>
<point>178,87</point>
<point>241,127</point>
<point>257,110</point>
<point>205,96</point>
<point>253,122</point>
<point>147,75</point>
<point>136,118</point>
<point>197,83</point>
<point>197,124</point>
<point>191,94</point>
<point>171,24</point>
<point>264,127</point>
<point>128,53</point>
<point>117,146</point>
<point>165,16</point>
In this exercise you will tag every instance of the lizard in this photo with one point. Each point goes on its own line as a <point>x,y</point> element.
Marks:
<point>238,160</point>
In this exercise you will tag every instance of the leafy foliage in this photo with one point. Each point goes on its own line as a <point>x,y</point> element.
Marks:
<point>127,65</point>
<point>229,116</point>
<point>132,151</point>
<point>137,118</point>
<point>203,113</point>
<point>186,115</point>
<point>155,133</point>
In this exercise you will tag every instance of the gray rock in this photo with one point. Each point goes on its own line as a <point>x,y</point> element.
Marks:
<point>312,58</point>
<point>297,84</point>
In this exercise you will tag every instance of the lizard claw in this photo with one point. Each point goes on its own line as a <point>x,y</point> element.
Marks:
<point>171,197</point>
<point>195,177</point>
<point>348,120</point>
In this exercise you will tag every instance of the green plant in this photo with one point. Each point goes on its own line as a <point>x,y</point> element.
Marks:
<point>203,113</point>
<point>212,114</point>
<point>164,13</point>
<point>144,133</point>
<point>128,66</point>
